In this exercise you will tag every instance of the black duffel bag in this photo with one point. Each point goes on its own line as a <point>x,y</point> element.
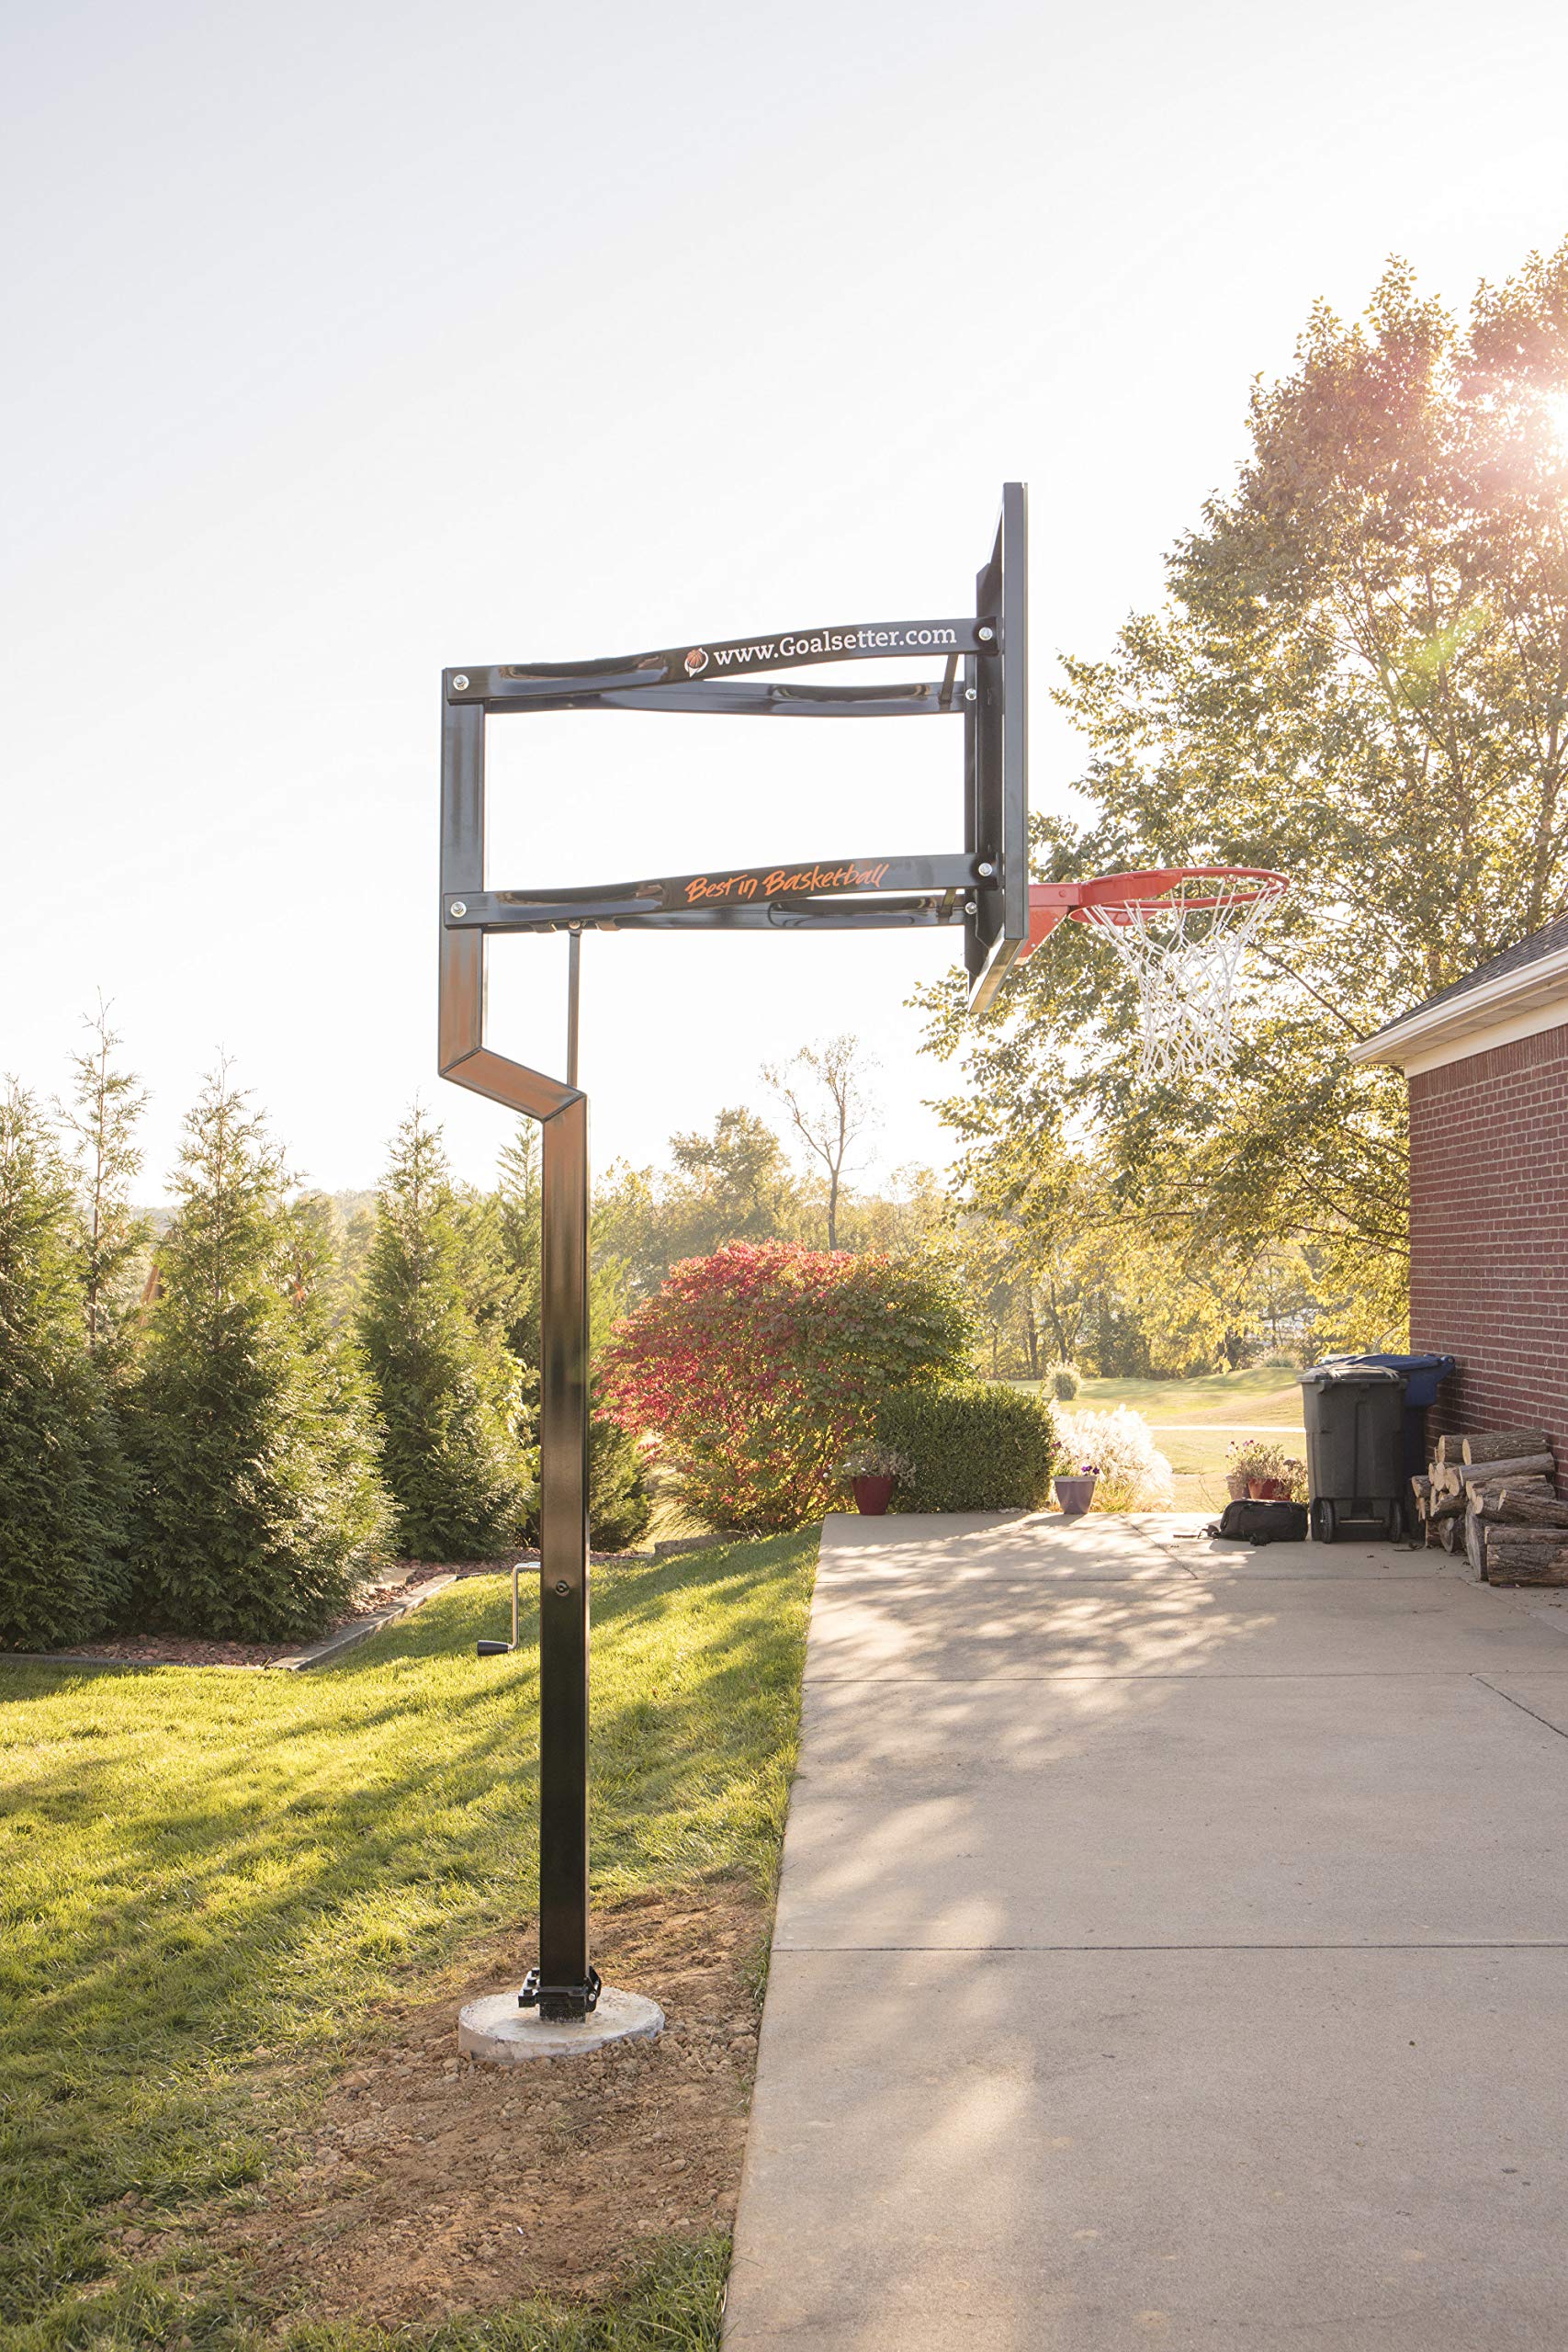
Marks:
<point>1250,1522</point>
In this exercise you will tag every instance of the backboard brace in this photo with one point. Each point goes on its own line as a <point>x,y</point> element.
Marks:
<point>980,891</point>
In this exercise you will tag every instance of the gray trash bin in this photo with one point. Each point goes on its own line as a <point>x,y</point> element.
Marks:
<point>1355,1434</point>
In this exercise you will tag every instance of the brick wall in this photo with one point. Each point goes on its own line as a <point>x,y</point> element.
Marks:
<point>1489,1234</point>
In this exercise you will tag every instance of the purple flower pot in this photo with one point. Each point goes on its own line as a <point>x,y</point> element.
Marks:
<point>1073,1495</point>
<point>873,1495</point>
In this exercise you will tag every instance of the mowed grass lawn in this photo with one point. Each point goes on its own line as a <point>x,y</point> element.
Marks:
<point>210,1879</point>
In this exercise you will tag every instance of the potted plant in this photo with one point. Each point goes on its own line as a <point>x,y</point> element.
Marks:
<point>1266,1472</point>
<point>870,1471</point>
<point>1075,1491</point>
<point>1252,1469</point>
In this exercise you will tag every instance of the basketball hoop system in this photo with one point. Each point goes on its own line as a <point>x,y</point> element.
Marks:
<point>1182,933</point>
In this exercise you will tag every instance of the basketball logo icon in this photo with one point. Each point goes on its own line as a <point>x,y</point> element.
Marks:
<point>697,661</point>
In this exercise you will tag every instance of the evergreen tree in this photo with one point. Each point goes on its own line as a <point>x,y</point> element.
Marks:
<point>620,1505</point>
<point>256,1514</point>
<point>314,1285</point>
<point>517,1196</point>
<point>62,1485</point>
<point>452,1454</point>
<point>106,1102</point>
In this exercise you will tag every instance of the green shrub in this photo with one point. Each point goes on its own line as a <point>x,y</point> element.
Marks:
<point>757,1368</point>
<point>1063,1380</point>
<point>975,1445</point>
<point>620,1505</point>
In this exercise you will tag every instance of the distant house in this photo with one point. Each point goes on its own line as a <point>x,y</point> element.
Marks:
<point>1487,1065</point>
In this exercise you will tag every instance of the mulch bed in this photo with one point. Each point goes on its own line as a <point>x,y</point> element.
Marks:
<point>428,2185</point>
<point>176,1649</point>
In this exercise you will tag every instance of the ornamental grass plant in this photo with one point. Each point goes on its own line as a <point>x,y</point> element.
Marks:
<point>1133,1474</point>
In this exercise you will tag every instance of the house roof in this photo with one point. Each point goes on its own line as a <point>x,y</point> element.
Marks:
<point>1517,992</point>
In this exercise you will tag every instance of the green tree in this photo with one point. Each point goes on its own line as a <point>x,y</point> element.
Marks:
<point>106,1102</point>
<point>732,1185</point>
<point>515,1206</point>
<point>314,1284</point>
<point>912,1211</point>
<point>62,1483</point>
<point>257,1512</point>
<point>452,1454</point>
<point>1360,676</point>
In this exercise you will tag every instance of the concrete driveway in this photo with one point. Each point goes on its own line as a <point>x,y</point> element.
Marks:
<point>1172,1949</point>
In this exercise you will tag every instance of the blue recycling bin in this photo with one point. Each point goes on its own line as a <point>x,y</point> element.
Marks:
<point>1423,1376</point>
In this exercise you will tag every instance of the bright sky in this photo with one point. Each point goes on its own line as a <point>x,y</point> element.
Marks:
<point>347,341</point>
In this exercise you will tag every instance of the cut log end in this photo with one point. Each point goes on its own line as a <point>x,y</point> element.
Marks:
<point>1516,1506</point>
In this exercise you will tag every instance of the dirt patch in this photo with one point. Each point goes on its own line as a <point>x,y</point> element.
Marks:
<point>430,2184</point>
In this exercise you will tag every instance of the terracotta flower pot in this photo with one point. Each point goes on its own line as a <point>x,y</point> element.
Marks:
<point>873,1495</point>
<point>1268,1490</point>
<point>1073,1495</point>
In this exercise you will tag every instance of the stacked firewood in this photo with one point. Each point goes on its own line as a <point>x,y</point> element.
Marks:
<point>1493,1497</point>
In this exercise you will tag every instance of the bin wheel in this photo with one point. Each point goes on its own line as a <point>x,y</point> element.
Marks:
<point>1324,1525</point>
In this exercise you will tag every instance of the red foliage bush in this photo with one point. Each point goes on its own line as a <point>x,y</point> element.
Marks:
<point>756,1368</point>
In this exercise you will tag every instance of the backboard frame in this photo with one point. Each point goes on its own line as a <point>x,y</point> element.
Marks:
<point>981,890</point>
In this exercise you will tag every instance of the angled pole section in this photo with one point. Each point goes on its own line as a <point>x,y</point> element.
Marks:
<point>564,1985</point>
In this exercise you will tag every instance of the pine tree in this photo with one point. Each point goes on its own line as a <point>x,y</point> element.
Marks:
<point>517,1195</point>
<point>254,1518</point>
<point>62,1486</point>
<point>314,1285</point>
<point>452,1456</point>
<point>106,1102</point>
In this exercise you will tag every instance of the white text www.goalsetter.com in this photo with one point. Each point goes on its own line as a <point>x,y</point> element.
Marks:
<point>840,640</point>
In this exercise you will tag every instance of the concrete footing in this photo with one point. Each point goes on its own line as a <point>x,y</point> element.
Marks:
<point>497,2031</point>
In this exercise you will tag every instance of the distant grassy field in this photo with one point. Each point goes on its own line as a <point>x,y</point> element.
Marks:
<point>1195,1420</point>
<point>1265,1398</point>
<point>201,1872</point>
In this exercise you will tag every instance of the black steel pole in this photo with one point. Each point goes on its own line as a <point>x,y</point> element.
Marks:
<point>567,1986</point>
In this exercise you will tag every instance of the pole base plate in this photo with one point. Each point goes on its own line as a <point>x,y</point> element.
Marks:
<point>498,2033</point>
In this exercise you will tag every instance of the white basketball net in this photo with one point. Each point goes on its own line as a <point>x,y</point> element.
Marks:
<point>1185,951</point>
